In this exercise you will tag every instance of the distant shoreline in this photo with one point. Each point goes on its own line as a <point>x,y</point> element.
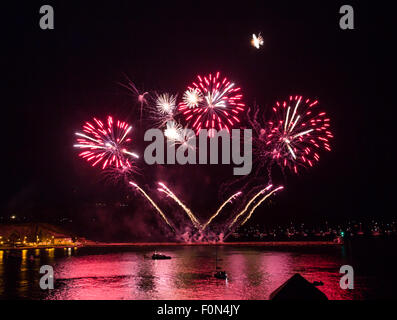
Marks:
<point>253,243</point>
<point>165,244</point>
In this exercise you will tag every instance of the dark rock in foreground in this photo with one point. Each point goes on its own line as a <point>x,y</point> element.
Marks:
<point>297,288</point>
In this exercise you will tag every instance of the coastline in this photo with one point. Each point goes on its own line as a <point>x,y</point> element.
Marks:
<point>165,244</point>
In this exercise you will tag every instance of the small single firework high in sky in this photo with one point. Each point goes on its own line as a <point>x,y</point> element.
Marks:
<point>257,41</point>
<point>295,134</point>
<point>106,144</point>
<point>212,102</point>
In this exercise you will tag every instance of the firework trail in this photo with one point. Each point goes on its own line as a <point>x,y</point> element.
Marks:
<point>212,103</point>
<point>161,213</point>
<point>295,135</point>
<point>106,143</point>
<point>190,214</point>
<point>257,41</point>
<point>259,203</point>
<point>220,209</point>
<point>249,203</point>
<point>140,97</point>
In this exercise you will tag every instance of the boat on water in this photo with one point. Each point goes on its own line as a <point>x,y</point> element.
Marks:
<point>220,275</point>
<point>159,256</point>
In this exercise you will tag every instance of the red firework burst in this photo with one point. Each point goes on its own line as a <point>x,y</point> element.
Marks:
<point>106,144</point>
<point>212,103</point>
<point>296,134</point>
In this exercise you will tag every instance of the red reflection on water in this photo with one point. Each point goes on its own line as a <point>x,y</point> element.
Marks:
<point>253,274</point>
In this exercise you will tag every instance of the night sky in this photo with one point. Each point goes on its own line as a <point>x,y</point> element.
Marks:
<point>57,79</point>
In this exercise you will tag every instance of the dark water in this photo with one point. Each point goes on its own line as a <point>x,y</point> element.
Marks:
<point>254,272</point>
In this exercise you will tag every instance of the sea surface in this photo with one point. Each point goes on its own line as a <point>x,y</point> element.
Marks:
<point>254,271</point>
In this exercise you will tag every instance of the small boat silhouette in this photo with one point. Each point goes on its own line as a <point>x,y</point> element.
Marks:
<point>159,256</point>
<point>221,275</point>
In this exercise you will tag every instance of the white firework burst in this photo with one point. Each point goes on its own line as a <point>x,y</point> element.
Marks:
<point>192,98</point>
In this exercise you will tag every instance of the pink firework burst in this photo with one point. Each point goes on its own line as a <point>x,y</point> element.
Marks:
<point>212,102</point>
<point>296,134</point>
<point>106,144</point>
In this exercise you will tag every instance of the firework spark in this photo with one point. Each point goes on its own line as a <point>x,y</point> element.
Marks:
<point>190,214</point>
<point>178,135</point>
<point>136,94</point>
<point>166,104</point>
<point>106,143</point>
<point>192,97</point>
<point>295,135</point>
<point>212,103</point>
<point>249,203</point>
<point>162,109</point>
<point>220,209</point>
<point>160,212</point>
<point>173,131</point>
<point>259,203</point>
<point>257,41</point>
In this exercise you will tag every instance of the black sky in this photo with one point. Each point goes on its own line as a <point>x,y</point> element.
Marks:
<point>57,79</point>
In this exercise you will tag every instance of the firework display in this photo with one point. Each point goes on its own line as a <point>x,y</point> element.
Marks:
<point>162,109</point>
<point>212,102</point>
<point>139,97</point>
<point>295,134</point>
<point>259,203</point>
<point>190,214</point>
<point>248,204</point>
<point>234,196</point>
<point>257,41</point>
<point>166,104</point>
<point>161,213</point>
<point>173,131</point>
<point>106,144</point>
<point>291,137</point>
